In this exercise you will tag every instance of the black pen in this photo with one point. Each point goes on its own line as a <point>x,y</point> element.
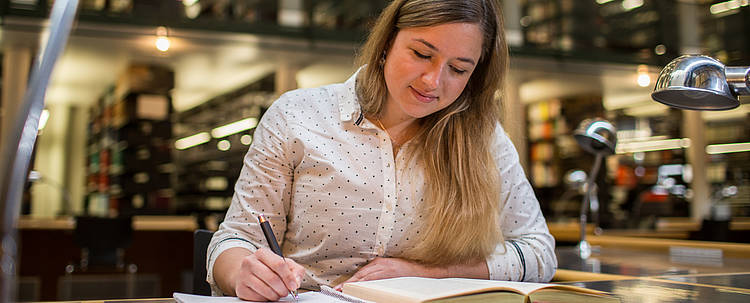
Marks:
<point>273,244</point>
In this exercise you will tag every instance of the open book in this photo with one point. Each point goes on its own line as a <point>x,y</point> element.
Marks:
<point>416,290</point>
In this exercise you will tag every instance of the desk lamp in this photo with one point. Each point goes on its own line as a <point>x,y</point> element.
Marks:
<point>599,137</point>
<point>701,83</point>
<point>18,144</point>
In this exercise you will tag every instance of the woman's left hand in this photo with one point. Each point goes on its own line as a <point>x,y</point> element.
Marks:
<point>384,268</point>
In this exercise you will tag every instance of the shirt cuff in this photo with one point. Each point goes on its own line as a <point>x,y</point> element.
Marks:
<point>507,265</point>
<point>216,251</point>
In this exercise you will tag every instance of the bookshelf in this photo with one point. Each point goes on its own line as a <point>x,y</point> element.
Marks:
<point>207,172</point>
<point>129,163</point>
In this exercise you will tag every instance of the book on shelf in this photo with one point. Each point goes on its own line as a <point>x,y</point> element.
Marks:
<point>458,290</point>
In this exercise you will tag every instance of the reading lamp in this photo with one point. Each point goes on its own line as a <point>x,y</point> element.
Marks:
<point>18,143</point>
<point>599,137</point>
<point>701,83</point>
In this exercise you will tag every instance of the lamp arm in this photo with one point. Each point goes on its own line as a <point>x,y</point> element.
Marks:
<point>738,78</point>
<point>585,204</point>
<point>19,142</point>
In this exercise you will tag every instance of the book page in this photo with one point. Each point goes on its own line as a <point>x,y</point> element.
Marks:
<point>415,289</point>
<point>525,288</point>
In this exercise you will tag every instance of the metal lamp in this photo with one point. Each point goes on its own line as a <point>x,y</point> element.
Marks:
<point>701,83</point>
<point>599,137</point>
<point>19,141</point>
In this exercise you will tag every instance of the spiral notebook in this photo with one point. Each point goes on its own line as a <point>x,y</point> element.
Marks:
<point>325,295</point>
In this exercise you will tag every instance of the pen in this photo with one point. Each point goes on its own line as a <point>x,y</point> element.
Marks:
<point>271,239</point>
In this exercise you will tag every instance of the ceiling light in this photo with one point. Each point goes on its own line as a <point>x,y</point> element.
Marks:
<point>234,127</point>
<point>246,139</point>
<point>652,145</point>
<point>643,78</point>
<point>723,7</point>
<point>714,149</point>
<point>191,141</point>
<point>162,40</point>
<point>224,145</point>
<point>631,4</point>
<point>660,49</point>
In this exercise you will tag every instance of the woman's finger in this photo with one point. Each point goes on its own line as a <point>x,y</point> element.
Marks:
<point>264,289</point>
<point>265,270</point>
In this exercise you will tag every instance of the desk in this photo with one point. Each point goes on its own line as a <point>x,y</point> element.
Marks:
<point>648,272</point>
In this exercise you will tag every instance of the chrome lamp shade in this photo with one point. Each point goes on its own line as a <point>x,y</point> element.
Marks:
<point>701,83</point>
<point>596,136</point>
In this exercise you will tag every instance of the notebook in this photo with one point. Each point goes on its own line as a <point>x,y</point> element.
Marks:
<point>325,295</point>
<point>455,290</point>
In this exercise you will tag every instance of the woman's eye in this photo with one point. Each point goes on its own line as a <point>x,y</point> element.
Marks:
<point>457,70</point>
<point>420,55</point>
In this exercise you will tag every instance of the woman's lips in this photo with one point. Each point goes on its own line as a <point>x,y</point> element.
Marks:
<point>425,98</point>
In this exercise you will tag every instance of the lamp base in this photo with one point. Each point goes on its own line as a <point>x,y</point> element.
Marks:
<point>584,249</point>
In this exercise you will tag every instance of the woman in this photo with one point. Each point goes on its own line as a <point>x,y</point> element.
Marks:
<point>403,170</point>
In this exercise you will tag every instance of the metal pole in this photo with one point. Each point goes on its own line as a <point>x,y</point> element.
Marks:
<point>584,249</point>
<point>17,148</point>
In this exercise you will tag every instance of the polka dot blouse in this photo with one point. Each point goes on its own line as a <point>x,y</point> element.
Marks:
<point>336,197</point>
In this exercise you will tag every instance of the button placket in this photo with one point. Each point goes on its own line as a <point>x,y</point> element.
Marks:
<point>387,218</point>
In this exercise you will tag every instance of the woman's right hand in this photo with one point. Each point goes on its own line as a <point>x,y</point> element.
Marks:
<point>265,276</point>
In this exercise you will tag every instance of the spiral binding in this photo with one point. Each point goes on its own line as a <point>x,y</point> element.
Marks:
<point>328,291</point>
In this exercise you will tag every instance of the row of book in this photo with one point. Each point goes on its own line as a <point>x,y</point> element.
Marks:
<point>129,163</point>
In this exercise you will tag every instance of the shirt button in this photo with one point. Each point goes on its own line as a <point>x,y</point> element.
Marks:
<point>388,165</point>
<point>381,250</point>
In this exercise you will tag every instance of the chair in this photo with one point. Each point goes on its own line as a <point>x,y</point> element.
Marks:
<point>201,238</point>
<point>103,241</point>
<point>102,272</point>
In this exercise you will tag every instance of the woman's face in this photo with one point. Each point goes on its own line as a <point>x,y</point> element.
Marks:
<point>427,68</point>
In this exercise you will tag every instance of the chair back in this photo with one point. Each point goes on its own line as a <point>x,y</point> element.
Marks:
<point>103,239</point>
<point>201,238</point>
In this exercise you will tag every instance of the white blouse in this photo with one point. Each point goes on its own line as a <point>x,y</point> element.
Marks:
<point>326,179</point>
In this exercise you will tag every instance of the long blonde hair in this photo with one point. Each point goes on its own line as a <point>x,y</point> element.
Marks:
<point>460,207</point>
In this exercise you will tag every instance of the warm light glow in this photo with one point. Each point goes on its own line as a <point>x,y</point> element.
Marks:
<point>653,145</point>
<point>189,2</point>
<point>234,127</point>
<point>631,4</point>
<point>714,149</point>
<point>162,43</point>
<point>603,1</point>
<point>191,141</point>
<point>43,119</point>
<point>660,49</point>
<point>726,6</point>
<point>224,145</point>
<point>644,80</point>
<point>246,139</point>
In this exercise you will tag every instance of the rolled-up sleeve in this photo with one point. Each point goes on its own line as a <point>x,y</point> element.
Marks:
<point>528,250</point>
<point>263,187</point>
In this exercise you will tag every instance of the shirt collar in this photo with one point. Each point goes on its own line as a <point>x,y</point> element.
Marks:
<point>349,107</point>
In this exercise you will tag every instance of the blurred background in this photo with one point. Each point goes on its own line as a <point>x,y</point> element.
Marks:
<point>153,104</point>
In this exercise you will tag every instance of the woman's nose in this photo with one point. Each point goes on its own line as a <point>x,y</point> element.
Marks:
<point>431,77</point>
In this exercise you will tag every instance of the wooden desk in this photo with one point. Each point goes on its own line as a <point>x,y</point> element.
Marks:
<point>635,274</point>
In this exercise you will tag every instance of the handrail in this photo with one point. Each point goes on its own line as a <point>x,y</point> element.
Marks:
<point>18,146</point>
